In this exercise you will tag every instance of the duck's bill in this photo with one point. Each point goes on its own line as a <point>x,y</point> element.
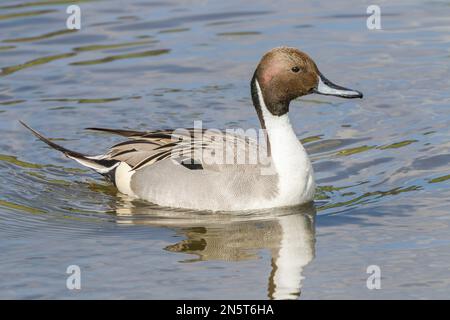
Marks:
<point>328,88</point>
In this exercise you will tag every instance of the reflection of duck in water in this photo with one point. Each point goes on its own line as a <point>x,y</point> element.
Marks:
<point>289,234</point>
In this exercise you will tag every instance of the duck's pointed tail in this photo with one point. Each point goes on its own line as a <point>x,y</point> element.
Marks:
<point>97,163</point>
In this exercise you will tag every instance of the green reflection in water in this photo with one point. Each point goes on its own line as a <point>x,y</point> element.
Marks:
<point>311,139</point>
<point>321,191</point>
<point>122,56</point>
<point>113,46</point>
<point>397,144</point>
<point>43,3</point>
<point>20,207</point>
<point>238,34</point>
<point>108,188</point>
<point>324,145</point>
<point>36,62</point>
<point>350,151</point>
<point>4,48</point>
<point>363,198</point>
<point>440,179</point>
<point>174,30</point>
<point>364,148</point>
<point>50,181</point>
<point>15,161</point>
<point>11,102</point>
<point>24,14</point>
<point>97,100</point>
<point>41,37</point>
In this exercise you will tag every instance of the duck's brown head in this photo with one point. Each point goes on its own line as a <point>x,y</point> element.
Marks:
<point>284,74</point>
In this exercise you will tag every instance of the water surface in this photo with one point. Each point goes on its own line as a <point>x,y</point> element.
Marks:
<point>382,163</point>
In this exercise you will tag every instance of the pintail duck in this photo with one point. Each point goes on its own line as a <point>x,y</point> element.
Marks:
<point>178,168</point>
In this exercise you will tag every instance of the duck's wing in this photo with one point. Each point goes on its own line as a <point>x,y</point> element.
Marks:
<point>193,148</point>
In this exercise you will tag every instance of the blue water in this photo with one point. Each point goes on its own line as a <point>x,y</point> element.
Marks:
<point>382,163</point>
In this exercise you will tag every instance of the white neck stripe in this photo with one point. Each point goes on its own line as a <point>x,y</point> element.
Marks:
<point>295,181</point>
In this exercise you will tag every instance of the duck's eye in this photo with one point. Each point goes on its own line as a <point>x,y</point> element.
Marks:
<point>295,69</point>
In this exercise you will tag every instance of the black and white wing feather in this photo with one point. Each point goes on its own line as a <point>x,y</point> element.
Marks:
<point>144,148</point>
